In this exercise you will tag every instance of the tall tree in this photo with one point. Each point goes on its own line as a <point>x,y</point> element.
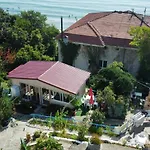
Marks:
<point>122,81</point>
<point>27,35</point>
<point>141,40</point>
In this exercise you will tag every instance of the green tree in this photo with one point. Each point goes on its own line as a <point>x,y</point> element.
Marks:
<point>36,37</point>
<point>27,53</point>
<point>116,74</point>
<point>31,20</point>
<point>141,40</point>
<point>27,31</point>
<point>108,95</point>
<point>5,109</point>
<point>17,38</point>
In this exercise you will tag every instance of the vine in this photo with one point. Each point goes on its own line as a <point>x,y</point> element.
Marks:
<point>93,54</point>
<point>69,52</point>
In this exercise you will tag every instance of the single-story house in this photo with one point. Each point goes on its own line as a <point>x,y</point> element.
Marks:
<point>106,33</point>
<point>46,82</point>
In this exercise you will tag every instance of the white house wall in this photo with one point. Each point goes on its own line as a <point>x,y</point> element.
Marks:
<point>128,56</point>
<point>81,61</point>
<point>59,52</point>
<point>37,83</point>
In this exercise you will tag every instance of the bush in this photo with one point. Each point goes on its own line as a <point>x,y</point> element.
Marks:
<point>28,137</point>
<point>72,127</point>
<point>6,110</point>
<point>48,143</point>
<point>99,131</point>
<point>36,135</point>
<point>110,132</point>
<point>59,122</point>
<point>82,131</point>
<point>97,117</point>
<point>95,130</point>
<point>95,139</point>
<point>92,129</point>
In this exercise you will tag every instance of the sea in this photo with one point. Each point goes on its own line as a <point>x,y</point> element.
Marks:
<point>73,10</point>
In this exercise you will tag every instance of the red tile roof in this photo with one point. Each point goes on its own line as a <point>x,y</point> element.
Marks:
<point>31,70</point>
<point>57,74</point>
<point>106,28</point>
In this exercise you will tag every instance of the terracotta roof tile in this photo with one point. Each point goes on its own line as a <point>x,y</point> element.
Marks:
<point>111,28</point>
<point>31,70</point>
<point>65,77</point>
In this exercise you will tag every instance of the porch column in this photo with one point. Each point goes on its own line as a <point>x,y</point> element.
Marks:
<point>40,95</point>
<point>29,92</point>
<point>62,95</point>
<point>36,93</point>
<point>49,96</point>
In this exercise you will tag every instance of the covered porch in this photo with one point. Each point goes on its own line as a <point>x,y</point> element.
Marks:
<point>44,95</point>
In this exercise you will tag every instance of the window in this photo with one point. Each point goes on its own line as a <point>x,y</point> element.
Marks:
<point>105,64</point>
<point>102,63</point>
<point>89,62</point>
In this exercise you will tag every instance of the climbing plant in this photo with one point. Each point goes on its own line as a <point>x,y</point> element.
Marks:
<point>69,52</point>
<point>93,53</point>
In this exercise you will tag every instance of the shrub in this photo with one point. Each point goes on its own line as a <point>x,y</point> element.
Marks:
<point>59,122</point>
<point>28,137</point>
<point>93,129</point>
<point>99,131</point>
<point>36,135</point>
<point>5,110</point>
<point>95,139</point>
<point>97,117</point>
<point>82,131</point>
<point>48,144</point>
<point>109,132</point>
<point>72,126</point>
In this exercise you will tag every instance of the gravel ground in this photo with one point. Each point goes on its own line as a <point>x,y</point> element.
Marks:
<point>115,147</point>
<point>10,137</point>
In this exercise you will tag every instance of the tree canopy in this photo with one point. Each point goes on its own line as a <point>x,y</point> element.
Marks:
<point>27,36</point>
<point>122,81</point>
<point>141,40</point>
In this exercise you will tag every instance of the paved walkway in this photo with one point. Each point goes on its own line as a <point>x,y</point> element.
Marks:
<point>10,137</point>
